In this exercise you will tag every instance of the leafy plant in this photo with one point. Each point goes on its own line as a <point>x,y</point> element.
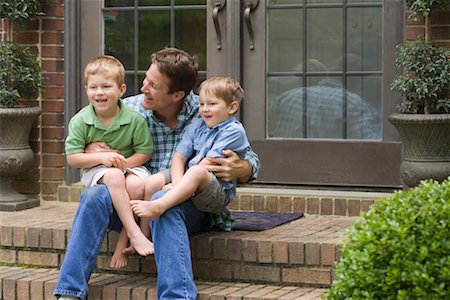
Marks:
<point>20,70</point>
<point>425,81</point>
<point>400,249</point>
<point>20,74</point>
<point>424,7</point>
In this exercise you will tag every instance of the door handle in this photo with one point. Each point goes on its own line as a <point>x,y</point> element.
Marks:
<point>217,6</point>
<point>249,6</point>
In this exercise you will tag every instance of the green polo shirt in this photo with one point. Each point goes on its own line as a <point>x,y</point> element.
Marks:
<point>128,133</point>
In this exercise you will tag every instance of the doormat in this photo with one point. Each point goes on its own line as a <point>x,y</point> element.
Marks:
<point>259,221</point>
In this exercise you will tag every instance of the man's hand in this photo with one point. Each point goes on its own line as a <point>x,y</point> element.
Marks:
<point>229,167</point>
<point>98,147</point>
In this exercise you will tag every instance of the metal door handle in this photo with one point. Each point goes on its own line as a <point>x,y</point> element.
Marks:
<point>249,6</point>
<point>217,6</point>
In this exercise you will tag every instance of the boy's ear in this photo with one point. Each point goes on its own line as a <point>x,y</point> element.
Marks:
<point>123,89</point>
<point>233,107</point>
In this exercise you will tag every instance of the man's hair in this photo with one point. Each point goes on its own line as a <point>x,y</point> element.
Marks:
<point>107,65</point>
<point>179,67</point>
<point>224,88</point>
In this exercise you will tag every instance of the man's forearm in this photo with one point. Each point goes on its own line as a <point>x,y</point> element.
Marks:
<point>247,172</point>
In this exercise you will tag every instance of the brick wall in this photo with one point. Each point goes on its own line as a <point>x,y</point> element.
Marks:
<point>440,28</point>
<point>45,37</point>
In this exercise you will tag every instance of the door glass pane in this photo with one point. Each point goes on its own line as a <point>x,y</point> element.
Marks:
<point>118,3</point>
<point>153,2</point>
<point>338,76</point>
<point>191,33</point>
<point>119,33</point>
<point>285,39</point>
<point>154,34</point>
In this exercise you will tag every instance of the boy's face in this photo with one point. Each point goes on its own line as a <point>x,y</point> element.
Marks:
<point>104,94</point>
<point>215,110</point>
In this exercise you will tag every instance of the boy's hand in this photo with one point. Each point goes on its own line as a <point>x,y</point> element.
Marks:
<point>98,147</point>
<point>113,159</point>
<point>229,167</point>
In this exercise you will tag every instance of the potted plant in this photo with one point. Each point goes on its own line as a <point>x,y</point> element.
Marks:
<point>20,79</point>
<point>424,120</point>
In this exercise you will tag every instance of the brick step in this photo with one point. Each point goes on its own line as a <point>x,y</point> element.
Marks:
<point>18,283</point>
<point>302,252</point>
<point>254,198</point>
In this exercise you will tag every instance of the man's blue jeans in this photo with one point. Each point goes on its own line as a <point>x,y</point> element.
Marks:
<point>170,235</point>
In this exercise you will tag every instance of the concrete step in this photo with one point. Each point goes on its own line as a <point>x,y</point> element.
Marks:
<point>302,252</point>
<point>18,283</point>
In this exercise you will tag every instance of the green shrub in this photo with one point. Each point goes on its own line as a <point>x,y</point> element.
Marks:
<point>400,249</point>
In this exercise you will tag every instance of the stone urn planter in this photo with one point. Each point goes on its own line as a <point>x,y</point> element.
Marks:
<point>426,146</point>
<point>15,154</point>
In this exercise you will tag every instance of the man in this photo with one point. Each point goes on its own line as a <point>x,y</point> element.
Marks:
<point>168,105</point>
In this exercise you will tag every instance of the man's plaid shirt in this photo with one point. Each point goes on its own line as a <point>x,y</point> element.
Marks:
<point>166,139</point>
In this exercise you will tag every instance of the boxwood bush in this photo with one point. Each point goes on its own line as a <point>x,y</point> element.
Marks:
<point>400,249</point>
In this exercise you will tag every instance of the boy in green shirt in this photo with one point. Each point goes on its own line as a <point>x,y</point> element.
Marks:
<point>107,120</point>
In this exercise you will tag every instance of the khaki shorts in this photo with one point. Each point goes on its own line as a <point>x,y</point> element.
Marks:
<point>93,175</point>
<point>212,199</point>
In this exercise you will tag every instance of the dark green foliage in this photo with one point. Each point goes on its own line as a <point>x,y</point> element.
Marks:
<point>20,74</point>
<point>424,7</point>
<point>401,248</point>
<point>20,11</point>
<point>425,81</point>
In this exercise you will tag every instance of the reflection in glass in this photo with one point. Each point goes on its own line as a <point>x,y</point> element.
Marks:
<point>364,38</point>
<point>324,109</point>
<point>190,33</point>
<point>119,33</point>
<point>285,39</point>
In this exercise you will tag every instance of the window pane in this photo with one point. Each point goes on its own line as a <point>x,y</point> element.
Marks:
<point>118,3</point>
<point>324,1</point>
<point>286,1</point>
<point>190,33</point>
<point>189,2</point>
<point>285,39</point>
<point>153,2</point>
<point>119,33</point>
<point>131,86</point>
<point>324,35</point>
<point>285,101</point>
<point>364,32</point>
<point>154,34</point>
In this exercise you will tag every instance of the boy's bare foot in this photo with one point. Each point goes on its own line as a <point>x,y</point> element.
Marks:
<point>147,209</point>
<point>142,245</point>
<point>119,260</point>
<point>129,250</point>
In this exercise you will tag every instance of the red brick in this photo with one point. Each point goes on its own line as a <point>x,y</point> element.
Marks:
<point>32,237</point>
<point>49,119</point>
<point>38,258</point>
<point>280,252</point>
<point>8,256</point>
<point>340,207</point>
<point>234,248</point>
<point>354,207</point>
<point>313,205</point>
<point>19,236</point>
<point>245,202</point>
<point>26,38</point>
<point>285,204</point>
<point>52,38</point>
<point>296,253</point>
<point>440,33</point>
<point>265,252</point>
<point>328,254</point>
<point>326,206</point>
<point>258,273</point>
<point>272,203</point>
<point>53,174</point>
<point>299,204</point>
<point>259,203</point>
<point>6,236</point>
<point>219,248</point>
<point>53,106</point>
<point>55,160</point>
<point>249,250</point>
<point>53,65</point>
<point>53,10</point>
<point>312,254</point>
<point>412,33</point>
<point>53,24</point>
<point>53,147</point>
<point>306,276</point>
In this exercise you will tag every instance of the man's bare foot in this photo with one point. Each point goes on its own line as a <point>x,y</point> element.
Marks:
<point>147,209</point>
<point>142,245</point>
<point>119,260</point>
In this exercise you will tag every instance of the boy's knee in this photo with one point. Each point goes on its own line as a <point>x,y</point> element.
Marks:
<point>198,171</point>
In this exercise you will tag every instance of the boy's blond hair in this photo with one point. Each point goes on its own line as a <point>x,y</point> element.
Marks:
<point>107,65</point>
<point>224,88</point>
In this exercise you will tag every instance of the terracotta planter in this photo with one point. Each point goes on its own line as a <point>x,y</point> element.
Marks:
<point>426,146</point>
<point>15,154</point>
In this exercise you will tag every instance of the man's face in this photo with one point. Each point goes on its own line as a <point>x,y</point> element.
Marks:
<point>155,88</point>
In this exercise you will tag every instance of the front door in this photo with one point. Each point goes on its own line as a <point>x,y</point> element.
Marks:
<point>314,73</point>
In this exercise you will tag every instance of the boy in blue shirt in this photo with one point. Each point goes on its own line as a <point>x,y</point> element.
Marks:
<point>204,138</point>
